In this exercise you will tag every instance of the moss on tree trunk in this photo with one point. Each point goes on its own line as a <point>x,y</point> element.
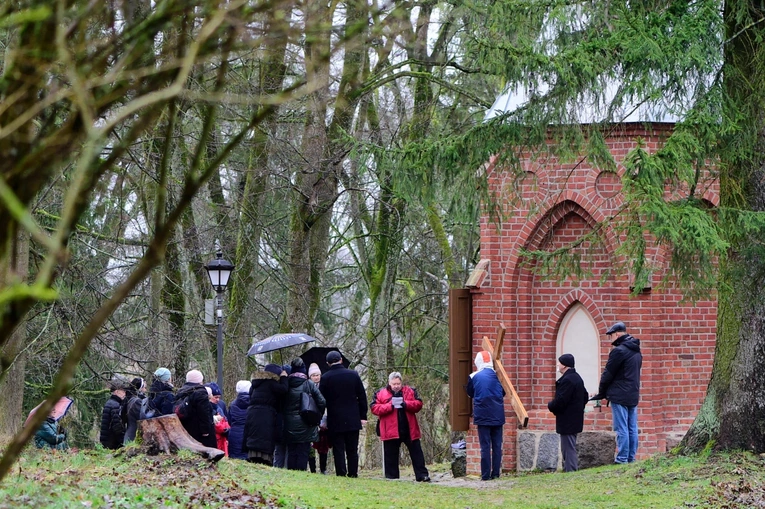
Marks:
<point>733,413</point>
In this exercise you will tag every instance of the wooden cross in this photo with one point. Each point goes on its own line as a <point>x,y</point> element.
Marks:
<point>496,351</point>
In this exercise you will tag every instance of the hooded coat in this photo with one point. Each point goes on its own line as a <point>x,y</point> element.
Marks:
<point>162,397</point>
<point>296,431</point>
<point>237,413</point>
<point>569,402</point>
<point>620,381</point>
<point>199,423</point>
<point>48,437</point>
<point>487,393</point>
<point>266,394</point>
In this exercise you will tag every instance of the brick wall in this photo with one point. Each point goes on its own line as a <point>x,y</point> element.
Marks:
<point>560,203</point>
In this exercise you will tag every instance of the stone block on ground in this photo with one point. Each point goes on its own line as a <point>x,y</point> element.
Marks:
<point>595,448</point>
<point>549,447</point>
<point>526,450</point>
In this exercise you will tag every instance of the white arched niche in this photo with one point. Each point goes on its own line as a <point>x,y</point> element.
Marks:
<point>578,336</point>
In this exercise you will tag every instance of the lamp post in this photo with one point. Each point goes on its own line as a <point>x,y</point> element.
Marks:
<point>219,271</point>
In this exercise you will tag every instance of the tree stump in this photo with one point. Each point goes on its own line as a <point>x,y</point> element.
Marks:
<point>167,434</point>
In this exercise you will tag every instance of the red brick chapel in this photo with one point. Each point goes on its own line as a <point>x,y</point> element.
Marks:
<point>545,318</point>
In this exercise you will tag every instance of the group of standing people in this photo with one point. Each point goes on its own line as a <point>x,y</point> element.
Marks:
<point>277,434</point>
<point>204,414</point>
<point>266,423</point>
<point>619,384</point>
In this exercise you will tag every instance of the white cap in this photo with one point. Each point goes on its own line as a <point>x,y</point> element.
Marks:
<point>243,386</point>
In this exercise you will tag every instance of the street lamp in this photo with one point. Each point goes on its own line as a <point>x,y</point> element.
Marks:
<point>219,271</point>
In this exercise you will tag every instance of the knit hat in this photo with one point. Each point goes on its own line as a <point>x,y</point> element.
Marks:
<point>333,357</point>
<point>272,368</point>
<point>567,360</point>
<point>162,374</point>
<point>483,360</point>
<point>137,383</point>
<point>313,368</point>
<point>195,377</point>
<point>297,365</point>
<point>215,389</point>
<point>244,385</point>
<point>286,368</point>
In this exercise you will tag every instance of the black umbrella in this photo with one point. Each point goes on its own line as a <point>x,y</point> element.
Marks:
<point>279,341</point>
<point>318,355</point>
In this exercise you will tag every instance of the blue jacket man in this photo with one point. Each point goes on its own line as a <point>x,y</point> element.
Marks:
<point>488,413</point>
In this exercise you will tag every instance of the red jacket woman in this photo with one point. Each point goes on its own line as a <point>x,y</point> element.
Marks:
<point>397,405</point>
<point>382,406</point>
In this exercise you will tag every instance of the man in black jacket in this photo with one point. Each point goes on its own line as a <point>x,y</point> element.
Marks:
<point>568,407</point>
<point>620,384</point>
<point>346,413</point>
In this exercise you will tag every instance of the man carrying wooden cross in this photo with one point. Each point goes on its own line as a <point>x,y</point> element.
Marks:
<point>488,414</point>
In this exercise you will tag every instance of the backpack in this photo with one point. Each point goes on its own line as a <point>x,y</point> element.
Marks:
<point>181,407</point>
<point>130,406</point>
<point>148,410</point>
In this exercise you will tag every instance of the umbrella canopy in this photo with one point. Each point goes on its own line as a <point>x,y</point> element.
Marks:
<point>59,409</point>
<point>279,341</point>
<point>318,355</point>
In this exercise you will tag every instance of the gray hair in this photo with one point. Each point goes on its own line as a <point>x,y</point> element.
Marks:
<point>393,375</point>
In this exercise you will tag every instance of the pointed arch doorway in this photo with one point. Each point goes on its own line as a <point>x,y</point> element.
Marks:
<point>578,335</point>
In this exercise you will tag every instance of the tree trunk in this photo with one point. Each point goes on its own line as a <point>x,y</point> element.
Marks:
<point>167,434</point>
<point>12,358</point>
<point>173,309</point>
<point>733,411</point>
<point>249,223</point>
<point>315,187</point>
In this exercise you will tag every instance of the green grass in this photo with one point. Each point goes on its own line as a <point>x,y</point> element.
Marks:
<point>96,478</point>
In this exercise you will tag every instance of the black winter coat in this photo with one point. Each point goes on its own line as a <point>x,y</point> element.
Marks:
<point>346,399</point>
<point>112,426</point>
<point>237,418</point>
<point>199,424</point>
<point>266,396</point>
<point>620,382</point>
<point>296,431</point>
<point>569,402</point>
<point>162,397</point>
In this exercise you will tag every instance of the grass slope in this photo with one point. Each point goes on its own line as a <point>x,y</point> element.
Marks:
<point>96,478</point>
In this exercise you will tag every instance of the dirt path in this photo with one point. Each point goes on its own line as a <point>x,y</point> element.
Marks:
<point>470,481</point>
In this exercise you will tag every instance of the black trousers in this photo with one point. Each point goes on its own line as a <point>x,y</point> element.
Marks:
<point>297,456</point>
<point>390,458</point>
<point>322,462</point>
<point>344,444</point>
